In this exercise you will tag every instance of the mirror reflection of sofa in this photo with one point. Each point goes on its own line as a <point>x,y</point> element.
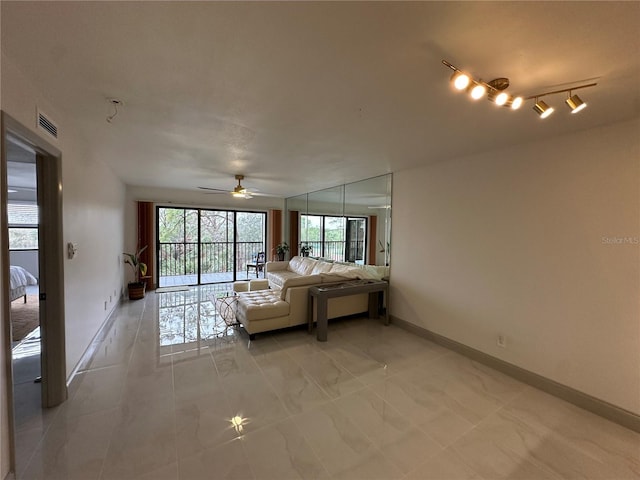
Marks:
<point>286,302</point>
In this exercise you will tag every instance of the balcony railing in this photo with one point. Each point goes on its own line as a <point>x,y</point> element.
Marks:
<point>336,250</point>
<point>181,259</point>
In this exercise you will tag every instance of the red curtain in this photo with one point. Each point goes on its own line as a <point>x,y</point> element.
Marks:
<point>275,231</point>
<point>294,229</point>
<point>145,237</point>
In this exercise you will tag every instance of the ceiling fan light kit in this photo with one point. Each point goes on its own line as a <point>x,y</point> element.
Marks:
<point>495,91</point>
<point>240,191</point>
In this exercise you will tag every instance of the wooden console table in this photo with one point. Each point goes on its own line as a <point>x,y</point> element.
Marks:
<point>322,293</point>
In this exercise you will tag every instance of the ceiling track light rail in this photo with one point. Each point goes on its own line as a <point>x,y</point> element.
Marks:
<point>495,91</point>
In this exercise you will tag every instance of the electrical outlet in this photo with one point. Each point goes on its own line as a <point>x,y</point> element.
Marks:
<point>502,341</point>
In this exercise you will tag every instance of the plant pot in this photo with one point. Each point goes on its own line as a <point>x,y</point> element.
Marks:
<point>280,257</point>
<point>136,290</point>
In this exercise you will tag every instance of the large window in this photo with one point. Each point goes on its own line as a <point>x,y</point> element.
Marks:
<point>337,238</point>
<point>23,226</point>
<point>201,246</point>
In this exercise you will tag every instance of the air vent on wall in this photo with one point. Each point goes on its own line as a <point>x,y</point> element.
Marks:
<point>46,124</point>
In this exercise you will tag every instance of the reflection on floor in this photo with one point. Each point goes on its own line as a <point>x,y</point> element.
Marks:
<point>26,392</point>
<point>175,393</point>
<point>26,369</point>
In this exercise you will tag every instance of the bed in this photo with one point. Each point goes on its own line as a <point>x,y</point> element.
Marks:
<point>20,279</point>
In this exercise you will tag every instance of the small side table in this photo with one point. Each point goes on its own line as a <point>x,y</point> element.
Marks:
<point>322,293</point>
<point>225,304</point>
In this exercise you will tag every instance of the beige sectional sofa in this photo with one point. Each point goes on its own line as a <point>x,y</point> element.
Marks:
<point>286,302</point>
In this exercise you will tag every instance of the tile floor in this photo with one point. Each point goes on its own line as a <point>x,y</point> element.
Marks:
<point>172,393</point>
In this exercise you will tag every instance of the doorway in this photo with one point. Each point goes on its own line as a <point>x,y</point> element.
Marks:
<point>38,231</point>
<point>23,225</point>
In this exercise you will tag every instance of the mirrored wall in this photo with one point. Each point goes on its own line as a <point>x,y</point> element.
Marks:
<point>350,223</point>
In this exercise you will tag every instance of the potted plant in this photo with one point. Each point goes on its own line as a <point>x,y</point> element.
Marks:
<point>137,287</point>
<point>281,250</point>
<point>305,249</point>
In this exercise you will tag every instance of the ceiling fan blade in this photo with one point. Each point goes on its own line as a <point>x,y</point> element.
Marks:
<point>217,190</point>
<point>260,194</point>
<point>239,191</point>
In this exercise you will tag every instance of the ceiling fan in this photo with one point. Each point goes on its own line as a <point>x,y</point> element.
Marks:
<point>238,192</point>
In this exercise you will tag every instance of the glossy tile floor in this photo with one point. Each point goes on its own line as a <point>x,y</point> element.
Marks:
<point>172,393</point>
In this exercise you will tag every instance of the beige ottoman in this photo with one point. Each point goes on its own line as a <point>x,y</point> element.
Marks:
<point>261,311</point>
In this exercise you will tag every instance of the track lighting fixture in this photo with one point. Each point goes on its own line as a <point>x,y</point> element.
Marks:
<point>495,90</point>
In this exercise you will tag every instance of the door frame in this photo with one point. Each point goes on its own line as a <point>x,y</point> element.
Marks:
<point>51,269</point>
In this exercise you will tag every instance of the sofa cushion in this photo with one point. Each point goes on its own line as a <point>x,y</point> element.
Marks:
<point>308,264</point>
<point>277,279</point>
<point>377,272</point>
<point>296,265</point>
<point>298,281</point>
<point>346,271</point>
<point>321,267</point>
<point>261,304</point>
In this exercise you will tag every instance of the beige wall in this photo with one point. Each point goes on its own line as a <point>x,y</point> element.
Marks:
<point>520,242</point>
<point>93,209</point>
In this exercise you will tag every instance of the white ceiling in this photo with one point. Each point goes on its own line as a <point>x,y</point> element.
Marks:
<point>21,173</point>
<point>303,96</point>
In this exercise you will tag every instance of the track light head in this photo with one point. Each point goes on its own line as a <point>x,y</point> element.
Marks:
<point>477,90</point>
<point>501,98</point>
<point>516,103</point>
<point>460,80</point>
<point>497,97</point>
<point>575,103</point>
<point>542,109</point>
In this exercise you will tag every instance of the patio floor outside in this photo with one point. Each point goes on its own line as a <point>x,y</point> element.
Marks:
<point>224,277</point>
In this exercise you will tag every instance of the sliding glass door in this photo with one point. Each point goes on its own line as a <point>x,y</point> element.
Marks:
<point>250,228</point>
<point>216,246</point>
<point>201,246</point>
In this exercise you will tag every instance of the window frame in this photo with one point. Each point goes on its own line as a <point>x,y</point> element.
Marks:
<point>23,226</point>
